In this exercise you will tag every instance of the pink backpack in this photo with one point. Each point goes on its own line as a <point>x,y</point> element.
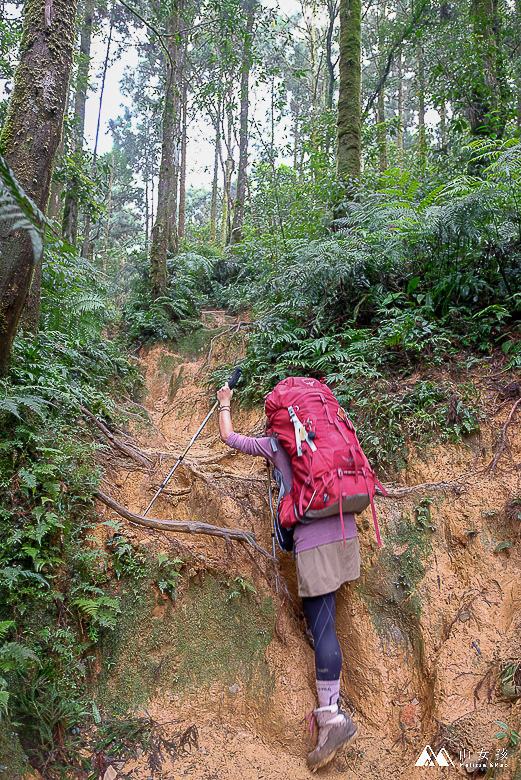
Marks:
<point>331,474</point>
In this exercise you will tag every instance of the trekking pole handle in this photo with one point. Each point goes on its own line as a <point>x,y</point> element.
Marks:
<point>235,378</point>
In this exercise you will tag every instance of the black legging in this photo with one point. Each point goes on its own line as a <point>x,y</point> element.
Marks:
<point>320,612</point>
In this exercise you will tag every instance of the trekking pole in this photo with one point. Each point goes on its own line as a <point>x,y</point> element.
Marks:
<point>231,384</point>
<point>275,563</point>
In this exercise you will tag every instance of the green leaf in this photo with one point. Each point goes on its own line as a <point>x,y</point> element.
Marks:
<point>16,206</point>
<point>27,478</point>
<point>96,714</point>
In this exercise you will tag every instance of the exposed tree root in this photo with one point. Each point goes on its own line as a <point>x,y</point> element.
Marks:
<point>130,451</point>
<point>502,440</point>
<point>180,526</point>
<point>397,492</point>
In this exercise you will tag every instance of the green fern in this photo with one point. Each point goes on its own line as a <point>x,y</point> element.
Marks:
<point>20,210</point>
<point>16,403</point>
<point>14,656</point>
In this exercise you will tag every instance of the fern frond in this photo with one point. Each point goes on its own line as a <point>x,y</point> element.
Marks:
<point>15,206</point>
<point>14,656</point>
<point>5,625</point>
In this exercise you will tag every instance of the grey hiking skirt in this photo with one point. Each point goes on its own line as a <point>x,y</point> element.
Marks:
<point>323,569</point>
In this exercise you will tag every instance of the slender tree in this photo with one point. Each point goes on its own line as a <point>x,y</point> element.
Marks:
<point>88,222</point>
<point>71,205</point>
<point>29,140</point>
<point>380,111</point>
<point>238,212</point>
<point>348,122</point>
<point>399,109</point>
<point>161,232</point>
<point>213,208</point>
<point>182,170</point>
<point>487,110</point>
<point>422,138</point>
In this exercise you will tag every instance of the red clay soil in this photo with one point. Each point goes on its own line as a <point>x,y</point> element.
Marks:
<point>422,659</point>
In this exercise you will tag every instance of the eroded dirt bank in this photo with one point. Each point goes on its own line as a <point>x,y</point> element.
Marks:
<point>425,632</point>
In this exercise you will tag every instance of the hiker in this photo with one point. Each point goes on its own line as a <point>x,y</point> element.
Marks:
<point>327,554</point>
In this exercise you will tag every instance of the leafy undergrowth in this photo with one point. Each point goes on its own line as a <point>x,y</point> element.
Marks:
<point>54,602</point>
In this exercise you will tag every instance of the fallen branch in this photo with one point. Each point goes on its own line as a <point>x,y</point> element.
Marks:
<point>180,526</point>
<point>116,442</point>
<point>397,492</point>
<point>503,439</point>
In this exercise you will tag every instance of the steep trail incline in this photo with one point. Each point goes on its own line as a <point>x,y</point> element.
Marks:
<point>425,632</point>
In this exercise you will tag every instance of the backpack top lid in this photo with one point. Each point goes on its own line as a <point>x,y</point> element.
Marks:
<point>293,385</point>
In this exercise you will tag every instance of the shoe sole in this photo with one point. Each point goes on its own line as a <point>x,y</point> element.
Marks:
<point>332,755</point>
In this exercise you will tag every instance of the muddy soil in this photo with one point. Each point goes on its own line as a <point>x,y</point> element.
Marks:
<point>425,632</point>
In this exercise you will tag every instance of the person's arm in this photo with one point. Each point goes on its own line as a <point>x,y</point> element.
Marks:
<point>224,396</point>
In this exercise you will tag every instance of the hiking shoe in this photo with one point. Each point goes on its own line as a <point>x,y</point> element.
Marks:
<point>335,730</point>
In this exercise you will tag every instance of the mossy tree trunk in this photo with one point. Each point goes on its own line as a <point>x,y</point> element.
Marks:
<point>182,171</point>
<point>162,239</point>
<point>238,211</point>
<point>71,205</point>
<point>29,140</point>
<point>349,122</point>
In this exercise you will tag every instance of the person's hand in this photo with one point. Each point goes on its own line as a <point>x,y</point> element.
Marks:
<point>224,395</point>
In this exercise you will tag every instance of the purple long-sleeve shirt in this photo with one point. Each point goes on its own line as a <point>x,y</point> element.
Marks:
<point>306,535</point>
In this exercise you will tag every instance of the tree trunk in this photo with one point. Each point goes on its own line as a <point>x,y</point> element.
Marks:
<point>54,207</point>
<point>443,125</point>
<point>295,105</point>
<point>87,244</point>
<point>213,208</point>
<point>382,135</point>
<point>182,172</point>
<point>107,223</point>
<point>30,137</point>
<point>225,220</point>
<point>487,109</point>
<point>70,205</point>
<point>422,144</point>
<point>238,212</point>
<point>227,174</point>
<point>332,10</point>
<point>147,209</point>
<point>348,123</point>
<point>381,131</point>
<point>399,132</point>
<point>161,232</point>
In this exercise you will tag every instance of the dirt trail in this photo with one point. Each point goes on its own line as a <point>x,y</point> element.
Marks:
<point>435,615</point>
